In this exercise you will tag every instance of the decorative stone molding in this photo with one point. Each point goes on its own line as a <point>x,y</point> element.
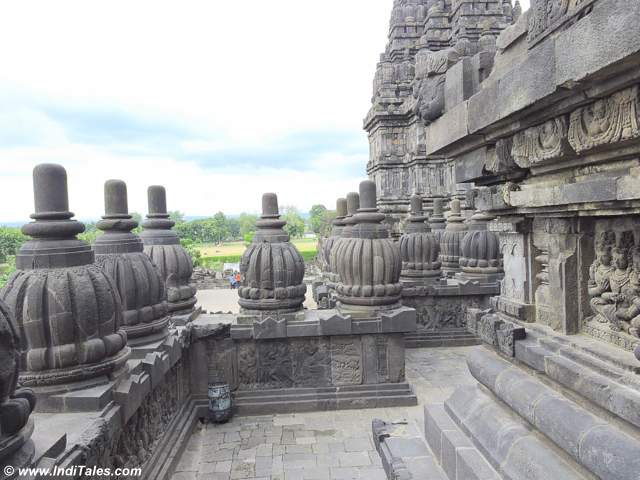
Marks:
<point>120,254</point>
<point>369,263</point>
<point>272,268</point>
<point>162,245</point>
<point>451,239</point>
<point>541,143</point>
<point>16,403</point>
<point>608,120</point>
<point>419,248</point>
<point>546,16</point>
<point>68,311</point>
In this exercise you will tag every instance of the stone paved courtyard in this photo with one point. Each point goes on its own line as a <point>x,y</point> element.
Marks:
<point>318,445</point>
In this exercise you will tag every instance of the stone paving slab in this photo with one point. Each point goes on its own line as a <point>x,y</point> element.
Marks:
<point>331,445</point>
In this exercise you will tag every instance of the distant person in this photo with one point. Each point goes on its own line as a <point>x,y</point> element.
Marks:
<point>238,278</point>
<point>233,281</point>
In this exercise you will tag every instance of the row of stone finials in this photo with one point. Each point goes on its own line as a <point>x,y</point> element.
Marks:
<point>78,309</point>
<point>360,261</point>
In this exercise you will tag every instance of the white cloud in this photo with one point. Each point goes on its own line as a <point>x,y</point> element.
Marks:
<point>245,75</point>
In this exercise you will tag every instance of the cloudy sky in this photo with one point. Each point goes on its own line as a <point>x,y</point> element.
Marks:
<point>217,100</point>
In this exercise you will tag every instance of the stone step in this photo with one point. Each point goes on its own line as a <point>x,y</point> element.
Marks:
<point>598,446</point>
<point>603,384</point>
<point>454,451</point>
<point>433,343</point>
<point>330,398</point>
<point>404,453</point>
<point>440,338</point>
<point>318,390</point>
<point>507,441</point>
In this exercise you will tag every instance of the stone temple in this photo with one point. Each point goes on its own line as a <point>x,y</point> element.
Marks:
<point>478,298</point>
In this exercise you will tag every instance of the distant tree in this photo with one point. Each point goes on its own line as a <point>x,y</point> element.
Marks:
<point>6,269</point>
<point>11,239</point>
<point>295,223</point>
<point>327,223</point>
<point>194,253</point>
<point>234,228</point>
<point>220,228</point>
<point>176,216</point>
<point>248,238</point>
<point>247,223</point>
<point>138,218</point>
<point>316,218</point>
<point>90,234</point>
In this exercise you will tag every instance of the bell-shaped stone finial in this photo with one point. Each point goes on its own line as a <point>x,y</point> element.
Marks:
<point>352,205</point>
<point>78,336</point>
<point>16,404</point>
<point>437,222</point>
<point>451,239</point>
<point>336,232</point>
<point>162,245</point>
<point>369,262</point>
<point>480,256</point>
<point>119,253</point>
<point>419,248</point>
<point>272,269</point>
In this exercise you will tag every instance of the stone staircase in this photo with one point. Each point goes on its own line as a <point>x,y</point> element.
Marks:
<point>283,400</point>
<point>453,337</point>
<point>561,408</point>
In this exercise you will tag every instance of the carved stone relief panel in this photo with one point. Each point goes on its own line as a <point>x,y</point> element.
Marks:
<point>311,362</point>
<point>445,312</point>
<point>547,16</point>
<point>540,143</point>
<point>614,282</point>
<point>515,283</point>
<point>556,280</point>
<point>247,363</point>
<point>346,360</point>
<point>608,120</point>
<point>274,364</point>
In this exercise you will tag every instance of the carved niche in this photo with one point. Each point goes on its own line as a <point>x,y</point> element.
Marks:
<point>608,120</point>
<point>540,143</point>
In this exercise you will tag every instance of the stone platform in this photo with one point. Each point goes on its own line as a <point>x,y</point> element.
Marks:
<point>330,445</point>
<point>314,360</point>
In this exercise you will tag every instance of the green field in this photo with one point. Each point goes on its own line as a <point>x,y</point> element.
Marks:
<point>214,256</point>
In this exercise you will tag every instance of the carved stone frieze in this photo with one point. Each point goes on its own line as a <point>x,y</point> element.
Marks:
<point>311,360</point>
<point>540,143</point>
<point>608,120</point>
<point>346,360</point>
<point>548,15</point>
<point>275,368</point>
